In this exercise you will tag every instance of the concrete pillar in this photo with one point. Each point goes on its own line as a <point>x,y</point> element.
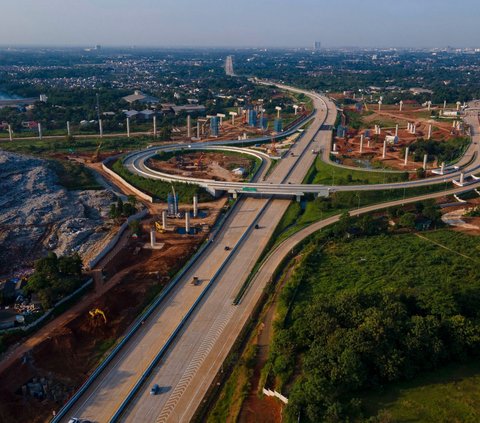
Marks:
<point>299,198</point>
<point>384,154</point>
<point>154,127</point>
<point>396,130</point>
<point>198,129</point>
<point>444,104</point>
<point>39,130</point>
<point>361,143</point>
<point>189,126</point>
<point>458,106</point>
<point>195,205</point>
<point>235,195</point>
<point>379,105</point>
<point>164,219</point>
<point>68,128</point>
<point>429,132</point>
<point>334,146</point>
<point>429,105</point>
<point>100,127</point>
<point>10,134</point>
<point>425,156</point>
<point>128,127</point>
<point>406,156</point>
<point>368,143</point>
<point>401,105</point>
<point>462,177</point>
<point>453,124</point>
<point>187,222</point>
<point>442,168</point>
<point>153,238</point>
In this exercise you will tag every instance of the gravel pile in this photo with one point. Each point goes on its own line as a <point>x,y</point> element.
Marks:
<point>38,215</point>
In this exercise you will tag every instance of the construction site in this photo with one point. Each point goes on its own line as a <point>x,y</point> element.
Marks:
<point>382,136</point>
<point>218,166</point>
<point>43,371</point>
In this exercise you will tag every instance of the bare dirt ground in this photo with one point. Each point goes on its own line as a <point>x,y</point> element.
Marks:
<point>70,348</point>
<point>60,356</point>
<point>387,118</point>
<point>215,166</point>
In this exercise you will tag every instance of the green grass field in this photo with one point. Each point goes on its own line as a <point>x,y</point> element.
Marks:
<point>326,174</point>
<point>433,267</point>
<point>451,394</point>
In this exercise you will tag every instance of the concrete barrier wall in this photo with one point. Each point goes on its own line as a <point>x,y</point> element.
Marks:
<point>118,178</point>
<point>270,393</point>
<point>113,242</point>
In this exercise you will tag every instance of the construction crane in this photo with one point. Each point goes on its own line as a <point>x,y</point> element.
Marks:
<point>97,312</point>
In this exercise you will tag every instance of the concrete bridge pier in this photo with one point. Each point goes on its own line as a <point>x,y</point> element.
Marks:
<point>299,197</point>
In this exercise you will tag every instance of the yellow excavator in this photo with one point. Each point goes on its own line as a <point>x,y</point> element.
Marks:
<point>97,312</point>
<point>159,227</point>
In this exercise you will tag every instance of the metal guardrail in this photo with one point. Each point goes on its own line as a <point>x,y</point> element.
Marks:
<point>64,410</point>
<point>180,326</point>
<point>216,228</point>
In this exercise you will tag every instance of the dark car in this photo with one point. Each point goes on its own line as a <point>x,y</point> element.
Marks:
<point>155,389</point>
<point>227,248</point>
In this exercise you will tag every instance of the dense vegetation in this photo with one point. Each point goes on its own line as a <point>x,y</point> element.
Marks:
<point>447,151</point>
<point>74,176</point>
<point>360,314</point>
<point>121,209</point>
<point>54,278</point>
<point>326,174</point>
<point>72,145</point>
<point>160,189</point>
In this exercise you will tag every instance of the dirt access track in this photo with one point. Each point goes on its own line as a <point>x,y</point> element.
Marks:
<point>217,166</point>
<point>61,355</point>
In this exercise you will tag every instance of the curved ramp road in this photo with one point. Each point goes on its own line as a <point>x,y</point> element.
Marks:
<point>182,345</point>
<point>469,164</point>
<point>210,319</point>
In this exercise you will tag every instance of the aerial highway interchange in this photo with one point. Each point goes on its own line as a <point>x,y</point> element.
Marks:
<point>181,346</point>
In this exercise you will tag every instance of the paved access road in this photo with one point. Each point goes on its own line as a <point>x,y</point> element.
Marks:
<point>212,316</point>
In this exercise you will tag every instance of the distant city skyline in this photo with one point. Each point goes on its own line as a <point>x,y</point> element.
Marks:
<point>249,23</point>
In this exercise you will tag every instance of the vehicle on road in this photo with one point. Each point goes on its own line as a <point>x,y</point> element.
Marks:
<point>77,420</point>
<point>155,389</point>
<point>195,280</point>
<point>257,227</point>
<point>227,248</point>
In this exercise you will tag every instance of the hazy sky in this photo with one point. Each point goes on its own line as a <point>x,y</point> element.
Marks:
<point>282,23</point>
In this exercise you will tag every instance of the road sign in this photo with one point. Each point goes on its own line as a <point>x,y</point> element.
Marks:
<point>249,189</point>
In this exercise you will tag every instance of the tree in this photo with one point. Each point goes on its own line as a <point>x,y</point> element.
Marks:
<point>132,200</point>
<point>407,221</point>
<point>113,214</point>
<point>344,223</point>
<point>135,227</point>
<point>119,206</point>
<point>421,173</point>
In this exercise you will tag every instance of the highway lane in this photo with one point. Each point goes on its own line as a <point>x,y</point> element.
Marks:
<point>104,397</point>
<point>469,164</point>
<point>216,323</point>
